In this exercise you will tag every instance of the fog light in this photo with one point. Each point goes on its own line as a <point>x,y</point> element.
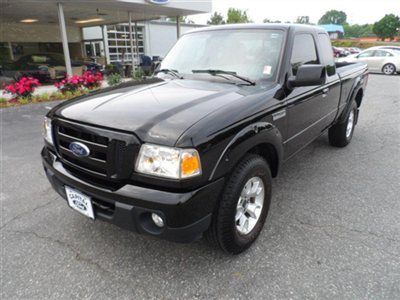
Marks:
<point>157,220</point>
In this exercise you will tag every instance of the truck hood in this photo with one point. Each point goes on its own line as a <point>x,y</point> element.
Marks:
<point>159,112</point>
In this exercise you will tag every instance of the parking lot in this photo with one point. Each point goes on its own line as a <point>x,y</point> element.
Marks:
<point>333,230</point>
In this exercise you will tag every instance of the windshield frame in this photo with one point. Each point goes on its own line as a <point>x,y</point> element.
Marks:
<point>272,79</point>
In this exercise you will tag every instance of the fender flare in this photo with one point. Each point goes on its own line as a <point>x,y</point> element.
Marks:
<point>249,137</point>
<point>357,86</point>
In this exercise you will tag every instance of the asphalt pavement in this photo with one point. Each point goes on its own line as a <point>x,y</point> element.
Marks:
<point>333,231</point>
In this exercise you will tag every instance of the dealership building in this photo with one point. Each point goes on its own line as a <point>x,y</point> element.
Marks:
<point>113,29</point>
<point>151,38</point>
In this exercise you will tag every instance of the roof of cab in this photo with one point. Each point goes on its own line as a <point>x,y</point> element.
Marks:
<point>276,26</point>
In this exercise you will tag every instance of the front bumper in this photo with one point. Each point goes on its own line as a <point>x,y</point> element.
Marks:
<point>186,215</point>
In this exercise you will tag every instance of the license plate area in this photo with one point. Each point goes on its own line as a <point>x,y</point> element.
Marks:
<point>79,202</point>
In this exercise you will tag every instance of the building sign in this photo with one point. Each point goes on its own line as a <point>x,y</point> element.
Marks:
<point>158,1</point>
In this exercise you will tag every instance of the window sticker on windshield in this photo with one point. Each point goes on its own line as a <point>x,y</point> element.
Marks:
<point>267,70</point>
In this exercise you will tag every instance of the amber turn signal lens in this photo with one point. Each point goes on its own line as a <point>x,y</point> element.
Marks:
<point>190,164</point>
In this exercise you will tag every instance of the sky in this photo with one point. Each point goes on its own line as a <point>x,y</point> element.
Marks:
<point>358,11</point>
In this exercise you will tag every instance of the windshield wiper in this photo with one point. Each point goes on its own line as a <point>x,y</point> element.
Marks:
<point>174,73</point>
<point>222,72</point>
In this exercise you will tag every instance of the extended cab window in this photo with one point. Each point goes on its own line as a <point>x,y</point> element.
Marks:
<point>304,51</point>
<point>327,53</point>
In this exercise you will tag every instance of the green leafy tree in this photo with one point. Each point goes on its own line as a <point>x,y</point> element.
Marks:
<point>387,27</point>
<point>237,16</point>
<point>270,21</point>
<point>356,31</point>
<point>303,20</point>
<point>182,19</point>
<point>216,19</point>
<point>333,17</point>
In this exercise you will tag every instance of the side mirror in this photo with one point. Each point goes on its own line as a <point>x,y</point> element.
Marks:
<point>308,75</point>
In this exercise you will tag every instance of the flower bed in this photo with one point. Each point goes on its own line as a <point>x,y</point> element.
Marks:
<point>68,88</point>
<point>23,88</point>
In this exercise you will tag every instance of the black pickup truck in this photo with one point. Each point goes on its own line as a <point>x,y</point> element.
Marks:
<point>193,150</point>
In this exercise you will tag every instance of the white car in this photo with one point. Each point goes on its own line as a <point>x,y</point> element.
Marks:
<point>386,61</point>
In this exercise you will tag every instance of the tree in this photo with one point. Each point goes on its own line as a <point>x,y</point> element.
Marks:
<point>237,16</point>
<point>303,20</point>
<point>182,19</point>
<point>356,31</point>
<point>269,21</point>
<point>216,19</point>
<point>387,27</point>
<point>333,17</point>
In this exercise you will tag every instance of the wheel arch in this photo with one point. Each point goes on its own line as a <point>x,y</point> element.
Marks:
<point>359,96</point>
<point>356,94</point>
<point>260,138</point>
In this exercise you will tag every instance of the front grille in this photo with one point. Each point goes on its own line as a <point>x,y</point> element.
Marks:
<point>112,154</point>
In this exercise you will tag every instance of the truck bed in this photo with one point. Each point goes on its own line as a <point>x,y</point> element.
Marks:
<point>348,73</point>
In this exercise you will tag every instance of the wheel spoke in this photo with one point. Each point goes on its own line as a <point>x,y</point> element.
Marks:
<point>251,209</point>
<point>254,188</point>
<point>239,213</point>
<point>242,222</point>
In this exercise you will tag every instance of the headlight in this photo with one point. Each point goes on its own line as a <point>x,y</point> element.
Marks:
<point>168,162</point>
<point>47,131</point>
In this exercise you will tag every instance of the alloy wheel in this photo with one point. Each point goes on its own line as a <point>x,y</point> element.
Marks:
<point>250,205</point>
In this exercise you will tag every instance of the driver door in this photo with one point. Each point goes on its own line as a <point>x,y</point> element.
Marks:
<point>305,107</point>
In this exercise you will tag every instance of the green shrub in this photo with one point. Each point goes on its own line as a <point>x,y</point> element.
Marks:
<point>114,79</point>
<point>111,69</point>
<point>359,44</point>
<point>137,74</point>
<point>3,100</point>
<point>24,100</point>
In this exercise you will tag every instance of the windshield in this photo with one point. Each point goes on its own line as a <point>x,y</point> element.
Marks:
<point>249,53</point>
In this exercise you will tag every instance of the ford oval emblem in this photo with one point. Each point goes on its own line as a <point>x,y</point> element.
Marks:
<point>79,149</point>
<point>158,1</point>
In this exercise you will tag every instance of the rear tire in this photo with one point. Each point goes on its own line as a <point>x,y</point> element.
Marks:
<point>389,69</point>
<point>225,232</point>
<point>340,134</point>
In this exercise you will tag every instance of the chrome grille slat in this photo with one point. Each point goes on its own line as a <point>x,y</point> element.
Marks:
<point>88,157</point>
<point>84,169</point>
<point>111,153</point>
<point>95,163</point>
<point>95,146</point>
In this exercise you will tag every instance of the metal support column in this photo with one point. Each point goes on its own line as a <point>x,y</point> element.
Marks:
<point>63,31</point>
<point>105,44</point>
<point>11,51</point>
<point>136,41</point>
<point>178,27</point>
<point>131,40</point>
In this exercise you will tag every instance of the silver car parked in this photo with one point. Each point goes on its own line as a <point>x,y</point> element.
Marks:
<point>386,61</point>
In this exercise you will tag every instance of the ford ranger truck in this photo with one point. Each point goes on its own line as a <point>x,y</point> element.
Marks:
<point>192,151</point>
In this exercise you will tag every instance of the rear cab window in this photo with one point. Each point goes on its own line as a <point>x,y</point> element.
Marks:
<point>327,53</point>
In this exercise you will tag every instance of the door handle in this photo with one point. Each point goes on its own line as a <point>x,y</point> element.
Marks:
<point>325,92</point>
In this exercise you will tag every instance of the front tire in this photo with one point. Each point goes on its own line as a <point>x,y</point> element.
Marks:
<point>340,134</point>
<point>244,206</point>
<point>389,69</point>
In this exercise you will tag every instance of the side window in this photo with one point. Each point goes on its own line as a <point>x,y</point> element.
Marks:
<point>327,53</point>
<point>304,51</point>
<point>39,59</point>
<point>366,54</point>
<point>382,53</point>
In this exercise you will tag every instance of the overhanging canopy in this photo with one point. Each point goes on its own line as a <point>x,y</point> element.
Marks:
<point>86,13</point>
<point>102,12</point>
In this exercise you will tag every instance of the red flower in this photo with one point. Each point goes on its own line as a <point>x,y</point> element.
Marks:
<point>24,87</point>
